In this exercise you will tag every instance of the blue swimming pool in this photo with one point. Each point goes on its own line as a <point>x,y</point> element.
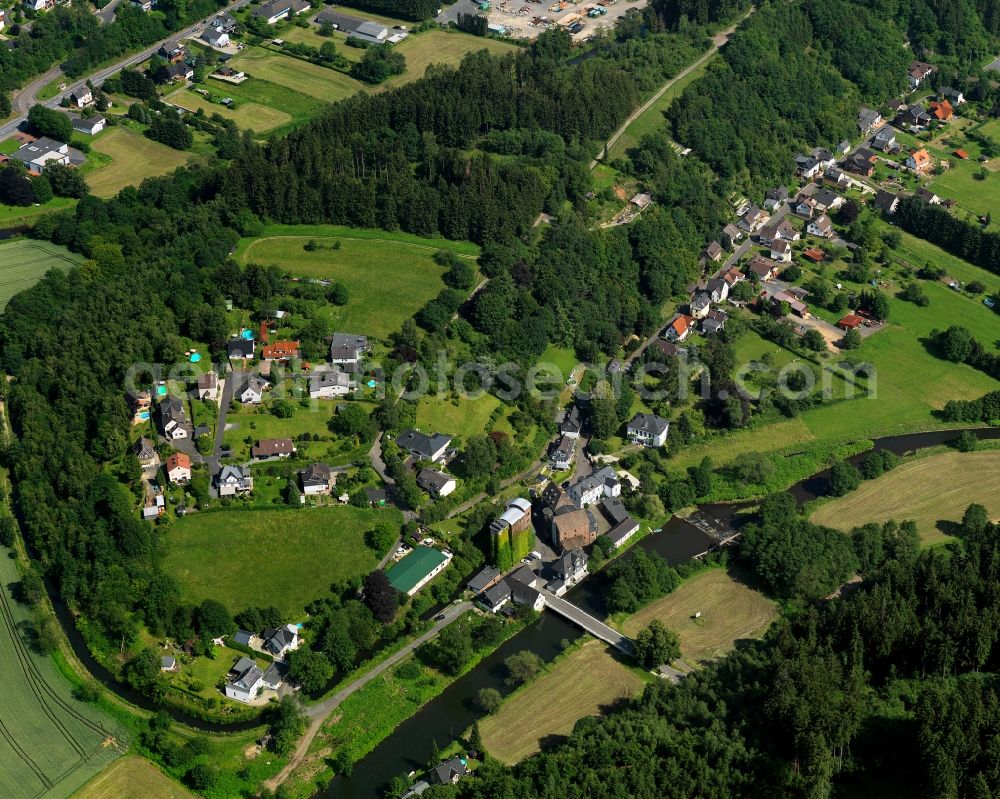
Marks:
<point>195,357</point>
<point>247,334</point>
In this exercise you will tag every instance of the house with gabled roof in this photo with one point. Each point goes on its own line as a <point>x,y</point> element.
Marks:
<point>173,420</point>
<point>588,490</point>
<point>178,467</point>
<point>251,390</point>
<point>648,430</point>
<point>280,640</point>
<point>317,478</point>
<point>821,226</point>
<point>731,236</point>
<point>144,451</point>
<point>918,72</point>
<point>775,197</point>
<point>245,682</point>
<point>347,350</point>
<point>208,386</point>
<point>920,161</point>
<point>885,201</point>
<point>679,328</point>
<point>268,448</point>
<point>435,482</point>
<point>868,120</point>
<point>713,251</point>
<point>432,447</point>
<point>885,139</point>
<point>234,480</point>
<point>763,268</point>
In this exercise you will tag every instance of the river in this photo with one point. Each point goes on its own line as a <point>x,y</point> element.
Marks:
<point>443,718</point>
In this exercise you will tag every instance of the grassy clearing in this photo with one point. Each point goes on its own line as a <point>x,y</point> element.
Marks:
<point>281,557</point>
<point>250,116</point>
<point>259,423</point>
<point>256,91</point>
<point>730,611</point>
<point>465,419</point>
<point>322,83</point>
<point>580,684</point>
<point>16,215</point>
<point>132,777</point>
<point>932,491</point>
<point>440,47</point>
<point>961,183</point>
<point>388,276</point>
<point>918,252</point>
<point>8,146</point>
<point>50,743</point>
<point>133,159</point>
<point>24,262</point>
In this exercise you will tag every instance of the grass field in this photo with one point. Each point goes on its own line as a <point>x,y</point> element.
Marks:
<point>322,83</point>
<point>918,252</point>
<point>134,158</point>
<point>50,743</point>
<point>930,490</point>
<point>730,611</point>
<point>439,47</point>
<point>389,276</point>
<point>300,107</point>
<point>132,778</point>
<point>466,419</point>
<point>281,557</point>
<point>25,261</point>
<point>579,685</point>
<point>250,116</point>
<point>960,183</point>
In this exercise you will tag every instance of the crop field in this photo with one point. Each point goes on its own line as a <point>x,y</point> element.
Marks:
<point>389,276</point>
<point>50,743</point>
<point>932,491</point>
<point>133,778</point>
<point>730,611</point>
<point>282,557</point>
<point>133,159</point>
<point>322,83</point>
<point>24,262</point>
<point>249,116</point>
<point>579,685</point>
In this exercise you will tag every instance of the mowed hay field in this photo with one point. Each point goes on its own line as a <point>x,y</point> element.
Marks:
<point>316,81</point>
<point>50,743</point>
<point>927,490</point>
<point>440,47</point>
<point>579,685</point>
<point>730,611</point>
<point>24,262</point>
<point>389,276</point>
<point>250,116</point>
<point>132,778</point>
<point>284,558</point>
<point>134,158</point>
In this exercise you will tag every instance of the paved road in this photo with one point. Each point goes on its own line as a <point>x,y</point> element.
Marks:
<point>106,14</point>
<point>584,620</point>
<point>319,712</point>
<point>214,461</point>
<point>27,97</point>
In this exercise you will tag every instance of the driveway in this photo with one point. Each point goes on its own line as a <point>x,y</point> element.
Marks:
<point>228,388</point>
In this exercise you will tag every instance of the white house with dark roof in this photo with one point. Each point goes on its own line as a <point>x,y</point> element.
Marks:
<point>588,490</point>
<point>317,478</point>
<point>781,251</point>
<point>347,350</point>
<point>90,126</point>
<point>330,384</point>
<point>562,454</point>
<point>215,37</point>
<point>208,386</point>
<point>572,422</point>
<point>251,391</point>
<point>233,480</point>
<point>821,226</point>
<point>245,682</point>
<point>424,447</point>
<point>238,348</point>
<point>436,483</point>
<point>280,640</point>
<point>567,571</point>
<point>173,420</point>
<point>42,153</point>
<point>648,430</point>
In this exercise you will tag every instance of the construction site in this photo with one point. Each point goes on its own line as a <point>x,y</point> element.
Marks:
<point>526,20</point>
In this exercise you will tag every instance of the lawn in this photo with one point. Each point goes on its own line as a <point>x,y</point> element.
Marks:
<point>133,777</point>
<point>261,557</point>
<point>134,158</point>
<point>250,116</point>
<point>25,261</point>
<point>259,423</point>
<point>17,215</point>
<point>730,611</point>
<point>440,47</point>
<point>465,419</point>
<point>917,252</point>
<point>562,358</point>
<point>256,91</point>
<point>960,183</point>
<point>50,743</point>
<point>580,684</point>
<point>322,83</point>
<point>389,276</point>
<point>932,491</point>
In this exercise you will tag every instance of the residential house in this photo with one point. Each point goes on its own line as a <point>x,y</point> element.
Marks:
<point>827,200</point>
<point>886,201</point>
<point>178,468</point>
<point>775,198</point>
<point>868,120</point>
<point>896,105</point>
<point>783,230</point>
<point>562,453</point>
<point>732,276</point>
<point>377,497</point>
<point>700,306</point>
<point>915,116</point>
<point>844,147</point>
<point>39,5</point>
<point>180,71</point>
<point>168,663</point>
<point>524,588</point>
<point>572,423</point>
<point>233,480</point>
<point>680,328</point>
<point>714,322</point>
<point>920,161</point>
<point>850,322</point>
<point>82,97</point>
<point>274,675</point>
<point>713,252</point>
<point>435,482</point>
<point>347,350</point>
<point>417,569</point>
<point>251,391</point>
<point>641,200</point>
<point>918,72</point>
<point>669,349</point>
<point>143,5</point>
<point>753,218</point>
<point>317,478</point>
<point>814,254</point>
<point>730,236</point>
<point>575,529</point>
<point>821,226</point>
<point>496,596</point>
<point>781,251</point>
<point>172,51</point>
<point>240,348</point>
<point>805,207</point>
<point>173,421</point>
<point>424,447</point>
<point>268,448</point>
<point>928,196</point>
<point>245,681</point>
<point>885,139</point>
<point>89,126</point>
<point>215,37</point>
<point>225,22</point>
<point>824,156</point>
<point>806,166</point>
<point>567,570</point>
<point>764,268</point>
<point>277,10</point>
<point>795,305</point>
<point>861,162</point>
<point>144,452</point>
<point>41,153</point>
<point>718,289</point>
<point>330,383</point>
<point>279,640</point>
<point>837,177</point>
<point>648,430</point>
<point>953,96</point>
<point>941,110</point>
<point>280,351</point>
<point>448,772</point>
<point>486,578</point>
<point>588,490</point>
<point>208,386</point>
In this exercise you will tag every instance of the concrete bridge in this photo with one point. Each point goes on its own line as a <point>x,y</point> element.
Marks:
<point>595,627</point>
